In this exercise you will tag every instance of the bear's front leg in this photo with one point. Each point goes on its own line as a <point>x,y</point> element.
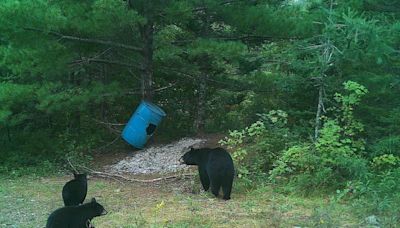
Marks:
<point>204,179</point>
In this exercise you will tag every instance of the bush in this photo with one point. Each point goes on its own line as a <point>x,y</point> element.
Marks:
<point>258,146</point>
<point>335,157</point>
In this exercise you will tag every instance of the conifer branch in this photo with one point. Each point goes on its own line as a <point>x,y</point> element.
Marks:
<point>86,40</point>
<point>106,61</point>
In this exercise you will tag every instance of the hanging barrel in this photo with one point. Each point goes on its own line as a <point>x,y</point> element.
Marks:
<point>142,124</point>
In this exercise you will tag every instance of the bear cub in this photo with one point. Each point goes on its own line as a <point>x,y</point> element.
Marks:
<point>74,191</point>
<point>75,216</point>
<point>215,169</point>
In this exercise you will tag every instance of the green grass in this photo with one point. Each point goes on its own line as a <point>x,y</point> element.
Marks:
<point>27,202</point>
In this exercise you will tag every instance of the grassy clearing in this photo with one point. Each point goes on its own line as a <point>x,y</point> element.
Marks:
<point>27,202</point>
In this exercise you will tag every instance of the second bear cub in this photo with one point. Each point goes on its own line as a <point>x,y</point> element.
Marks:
<point>74,191</point>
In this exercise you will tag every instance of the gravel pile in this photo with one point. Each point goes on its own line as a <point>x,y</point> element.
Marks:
<point>160,159</point>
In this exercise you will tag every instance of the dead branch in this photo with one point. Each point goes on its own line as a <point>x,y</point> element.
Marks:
<point>118,176</point>
<point>72,166</point>
<point>111,124</point>
<point>108,144</point>
<point>202,8</point>
<point>105,61</point>
<point>165,87</point>
<point>154,90</point>
<point>86,40</point>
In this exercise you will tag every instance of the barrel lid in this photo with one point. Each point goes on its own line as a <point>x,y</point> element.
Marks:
<point>154,108</point>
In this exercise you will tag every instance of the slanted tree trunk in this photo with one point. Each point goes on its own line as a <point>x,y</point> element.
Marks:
<point>147,33</point>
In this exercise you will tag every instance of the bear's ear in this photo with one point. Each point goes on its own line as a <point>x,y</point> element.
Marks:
<point>93,200</point>
<point>191,149</point>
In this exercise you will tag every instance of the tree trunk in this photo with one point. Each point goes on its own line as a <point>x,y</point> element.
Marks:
<point>318,115</point>
<point>199,122</point>
<point>147,33</point>
<point>104,82</point>
<point>8,134</point>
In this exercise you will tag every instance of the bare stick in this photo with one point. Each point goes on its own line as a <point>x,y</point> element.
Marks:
<point>113,176</point>
<point>87,40</point>
<point>106,123</point>
<point>108,144</point>
<point>72,166</point>
<point>106,61</point>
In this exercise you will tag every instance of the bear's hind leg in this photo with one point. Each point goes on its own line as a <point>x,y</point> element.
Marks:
<point>227,188</point>
<point>215,186</point>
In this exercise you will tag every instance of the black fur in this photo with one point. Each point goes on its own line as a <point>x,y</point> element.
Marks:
<point>75,216</point>
<point>216,169</point>
<point>74,191</point>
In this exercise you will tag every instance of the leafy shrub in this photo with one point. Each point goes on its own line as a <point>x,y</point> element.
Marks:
<point>385,162</point>
<point>335,157</point>
<point>257,147</point>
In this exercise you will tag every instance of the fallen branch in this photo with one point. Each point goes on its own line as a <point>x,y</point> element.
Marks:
<point>116,176</point>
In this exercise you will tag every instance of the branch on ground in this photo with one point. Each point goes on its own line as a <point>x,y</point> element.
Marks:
<point>121,177</point>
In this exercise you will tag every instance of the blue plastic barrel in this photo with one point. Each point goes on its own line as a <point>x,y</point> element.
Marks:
<point>142,124</point>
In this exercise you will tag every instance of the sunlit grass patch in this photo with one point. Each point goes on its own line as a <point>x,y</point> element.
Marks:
<point>27,202</point>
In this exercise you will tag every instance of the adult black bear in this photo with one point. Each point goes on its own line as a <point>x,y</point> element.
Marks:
<point>75,216</point>
<point>215,169</point>
<point>74,191</point>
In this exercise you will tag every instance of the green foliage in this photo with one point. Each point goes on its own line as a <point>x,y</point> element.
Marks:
<point>335,157</point>
<point>16,103</point>
<point>351,127</point>
<point>59,83</point>
<point>385,162</point>
<point>69,67</point>
<point>378,195</point>
<point>256,147</point>
<point>387,145</point>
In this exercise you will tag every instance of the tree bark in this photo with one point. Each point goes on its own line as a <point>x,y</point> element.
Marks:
<point>147,33</point>
<point>104,82</point>
<point>318,115</point>
<point>199,121</point>
<point>8,134</point>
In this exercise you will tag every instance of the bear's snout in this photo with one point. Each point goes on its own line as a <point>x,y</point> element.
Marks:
<point>181,161</point>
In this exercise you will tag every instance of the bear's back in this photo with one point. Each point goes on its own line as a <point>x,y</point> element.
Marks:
<point>71,216</point>
<point>60,218</point>
<point>219,154</point>
<point>220,161</point>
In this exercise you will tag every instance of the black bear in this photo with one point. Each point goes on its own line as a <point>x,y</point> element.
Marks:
<point>75,216</point>
<point>74,191</point>
<point>215,169</point>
